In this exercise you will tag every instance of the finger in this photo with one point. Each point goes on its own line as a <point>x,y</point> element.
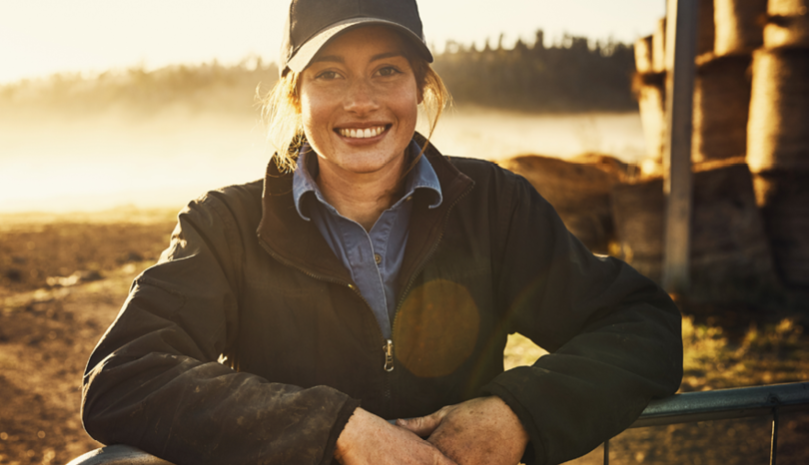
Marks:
<point>444,460</point>
<point>423,426</point>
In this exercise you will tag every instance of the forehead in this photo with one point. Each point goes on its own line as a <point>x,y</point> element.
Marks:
<point>365,39</point>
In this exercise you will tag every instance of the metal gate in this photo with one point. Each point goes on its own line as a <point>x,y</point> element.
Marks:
<point>725,404</point>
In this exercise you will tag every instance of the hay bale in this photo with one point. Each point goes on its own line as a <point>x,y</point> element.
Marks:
<point>787,31</point>
<point>721,104</point>
<point>650,91</point>
<point>659,47</point>
<point>730,255</point>
<point>738,26</point>
<point>706,32</point>
<point>777,138</point>
<point>638,218</point>
<point>784,200</point>
<point>578,191</point>
<point>788,7</point>
<point>643,54</point>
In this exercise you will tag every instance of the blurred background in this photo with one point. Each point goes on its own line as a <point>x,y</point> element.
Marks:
<point>152,103</point>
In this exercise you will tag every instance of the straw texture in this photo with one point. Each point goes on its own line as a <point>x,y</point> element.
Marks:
<point>659,47</point>
<point>721,104</point>
<point>578,191</point>
<point>784,199</point>
<point>730,254</point>
<point>650,91</point>
<point>777,136</point>
<point>738,25</point>
<point>788,7</point>
<point>643,55</point>
<point>706,33</point>
<point>787,31</point>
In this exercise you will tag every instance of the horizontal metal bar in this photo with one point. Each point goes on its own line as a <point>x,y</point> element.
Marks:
<point>118,454</point>
<point>724,404</point>
<point>680,408</point>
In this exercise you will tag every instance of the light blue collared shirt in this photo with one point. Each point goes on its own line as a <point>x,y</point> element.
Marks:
<point>373,258</point>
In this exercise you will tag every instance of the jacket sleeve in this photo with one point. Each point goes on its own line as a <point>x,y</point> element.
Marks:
<point>154,380</point>
<point>613,335</point>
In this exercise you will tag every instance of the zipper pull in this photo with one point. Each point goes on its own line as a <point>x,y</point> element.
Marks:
<point>388,348</point>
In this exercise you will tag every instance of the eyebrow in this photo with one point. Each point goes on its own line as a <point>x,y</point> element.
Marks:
<point>339,59</point>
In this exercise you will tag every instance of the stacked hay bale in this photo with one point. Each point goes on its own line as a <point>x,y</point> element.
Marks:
<point>778,138</point>
<point>721,102</point>
<point>722,83</point>
<point>579,190</point>
<point>649,86</point>
<point>650,90</point>
<point>738,26</point>
<point>787,24</point>
<point>730,258</point>
<point>730,253</point>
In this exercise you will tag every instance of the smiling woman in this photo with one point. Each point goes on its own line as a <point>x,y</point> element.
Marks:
<point>282,107</point>
<point>355,304</point>
<point>359,105</point>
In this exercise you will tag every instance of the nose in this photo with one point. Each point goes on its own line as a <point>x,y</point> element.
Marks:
<point>360,97</point>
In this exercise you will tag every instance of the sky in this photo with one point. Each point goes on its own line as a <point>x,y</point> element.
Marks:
<point>41,37</point>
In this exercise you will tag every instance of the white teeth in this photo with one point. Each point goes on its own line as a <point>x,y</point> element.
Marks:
<point>362,133</point>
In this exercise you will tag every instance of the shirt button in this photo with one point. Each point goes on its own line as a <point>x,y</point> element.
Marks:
<point>409,197</point>
<point>377,258</point>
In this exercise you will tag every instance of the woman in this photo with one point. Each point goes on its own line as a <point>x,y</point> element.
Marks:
<point>368,278</point>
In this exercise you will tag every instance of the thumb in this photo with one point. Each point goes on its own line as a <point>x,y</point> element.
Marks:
<point>423,426</point>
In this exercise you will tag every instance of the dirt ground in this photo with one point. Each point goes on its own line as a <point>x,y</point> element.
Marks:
<point>64,278</point>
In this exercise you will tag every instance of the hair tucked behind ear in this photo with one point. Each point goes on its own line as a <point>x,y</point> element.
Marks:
<point>281,109</point>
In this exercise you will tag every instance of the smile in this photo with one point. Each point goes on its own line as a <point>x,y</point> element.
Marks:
<point>361,133</point>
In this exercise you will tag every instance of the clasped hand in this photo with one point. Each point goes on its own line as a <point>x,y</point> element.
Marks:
<point>478,431</point>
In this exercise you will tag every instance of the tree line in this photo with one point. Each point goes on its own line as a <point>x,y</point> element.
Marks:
<point>571,76</point>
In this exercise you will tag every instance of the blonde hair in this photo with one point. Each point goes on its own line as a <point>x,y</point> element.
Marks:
<point>281,110</point>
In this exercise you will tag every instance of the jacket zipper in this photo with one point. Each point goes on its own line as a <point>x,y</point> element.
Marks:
<point>387,348</point>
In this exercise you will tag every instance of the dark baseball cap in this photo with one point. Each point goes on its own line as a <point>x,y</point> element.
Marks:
<point>312,23</point>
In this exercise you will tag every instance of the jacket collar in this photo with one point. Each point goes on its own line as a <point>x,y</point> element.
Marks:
<point>296,242</point>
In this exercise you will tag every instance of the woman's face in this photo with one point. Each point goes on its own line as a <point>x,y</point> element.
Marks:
<point>359,102</point>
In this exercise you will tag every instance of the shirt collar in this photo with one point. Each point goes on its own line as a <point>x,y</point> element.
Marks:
<point>422,176</point>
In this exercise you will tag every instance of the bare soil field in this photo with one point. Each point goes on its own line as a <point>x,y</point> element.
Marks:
<point>63,279</point>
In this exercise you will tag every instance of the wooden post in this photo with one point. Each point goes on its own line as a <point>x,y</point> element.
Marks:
<point>681,46</point>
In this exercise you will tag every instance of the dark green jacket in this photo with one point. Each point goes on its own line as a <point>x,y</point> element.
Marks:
<point>248,343</point>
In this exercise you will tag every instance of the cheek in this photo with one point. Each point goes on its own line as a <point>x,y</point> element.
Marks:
<point>314,114</point>
<point>407,106</point>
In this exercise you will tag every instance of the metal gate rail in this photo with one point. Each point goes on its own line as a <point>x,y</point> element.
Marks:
<point>725,404</point>
<point>681,408</point>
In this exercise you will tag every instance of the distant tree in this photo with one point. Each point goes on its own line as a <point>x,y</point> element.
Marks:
<point>572,76</point>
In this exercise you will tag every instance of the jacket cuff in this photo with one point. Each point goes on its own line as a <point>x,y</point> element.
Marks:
<point>535,451</point>
<point>340,423</point>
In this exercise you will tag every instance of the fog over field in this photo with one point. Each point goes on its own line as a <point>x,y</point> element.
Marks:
<point>99,161</point>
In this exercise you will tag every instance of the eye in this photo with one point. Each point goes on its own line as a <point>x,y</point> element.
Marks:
<point>327,75</point>
<point>388,71</point>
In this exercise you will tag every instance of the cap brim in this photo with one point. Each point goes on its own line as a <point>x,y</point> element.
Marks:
<point>301,59</point>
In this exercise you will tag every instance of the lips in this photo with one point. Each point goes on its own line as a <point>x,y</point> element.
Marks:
<point>361,133</point>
